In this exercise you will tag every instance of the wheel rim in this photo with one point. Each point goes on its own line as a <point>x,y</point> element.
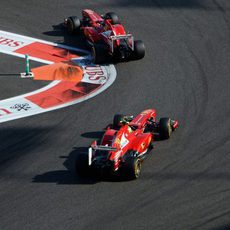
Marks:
<point>137,168</point>
<point>169,128</point>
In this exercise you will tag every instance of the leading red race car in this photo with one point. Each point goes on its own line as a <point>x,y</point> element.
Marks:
<point>125,144</point>
<point>106,36</point>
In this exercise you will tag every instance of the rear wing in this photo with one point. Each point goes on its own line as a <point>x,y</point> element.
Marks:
<point>102,147</point>
<point>95,147</point>
<point>128,37</point>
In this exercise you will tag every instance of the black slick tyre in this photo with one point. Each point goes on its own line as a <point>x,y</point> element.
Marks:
<point>117,120</point>
<point>139,50</point>
<point>133,168</point>
<point>113,17</point>
<point>99,53</point>
<point>73,25</point>
<point>165,128</point>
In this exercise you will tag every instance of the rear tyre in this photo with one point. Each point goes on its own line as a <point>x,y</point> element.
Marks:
<point>73,25</point>
<point>117,120</point>
<point>133,168</point>
<point>99,53</point>
<point>81,165</point>
<point>165,128</point>
<point>113,17</point>
<point>139,50</point>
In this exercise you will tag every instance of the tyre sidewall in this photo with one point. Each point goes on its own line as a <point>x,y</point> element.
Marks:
<point>113,17</point>
<point>99,53</point>
<point>117,119</point>
<point>73,25</point>
<point>139,50</point>
<point>132,166</point>
<point>165,128</point>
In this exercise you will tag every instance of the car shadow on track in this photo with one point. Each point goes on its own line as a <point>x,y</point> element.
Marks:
<point>222,227</point>
<point>71,40</point>
<point>69,175</point>
<point>93,135</point>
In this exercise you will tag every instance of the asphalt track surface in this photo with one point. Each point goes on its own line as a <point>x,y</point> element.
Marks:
<point>185,182</point>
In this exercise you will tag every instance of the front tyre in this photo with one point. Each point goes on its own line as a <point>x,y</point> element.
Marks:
<point>117,119</point>
<point>113,17</point>
<point>165,128</point>
<point>139,50</point>
<point>73,25</point>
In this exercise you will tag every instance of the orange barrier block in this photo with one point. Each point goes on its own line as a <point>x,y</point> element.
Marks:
<point>64,71</point>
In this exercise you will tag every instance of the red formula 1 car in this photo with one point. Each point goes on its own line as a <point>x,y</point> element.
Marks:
<point>125,144</point>
<point>106,36</point>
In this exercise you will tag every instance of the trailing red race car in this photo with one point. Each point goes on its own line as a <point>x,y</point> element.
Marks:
<point>125,144</point>
<point>106,36</point>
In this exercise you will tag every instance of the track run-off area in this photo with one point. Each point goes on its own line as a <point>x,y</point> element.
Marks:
<point>185,181</point>
<point>75,78</point>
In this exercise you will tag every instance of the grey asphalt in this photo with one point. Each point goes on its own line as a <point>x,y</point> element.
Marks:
<point>185,182</point>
